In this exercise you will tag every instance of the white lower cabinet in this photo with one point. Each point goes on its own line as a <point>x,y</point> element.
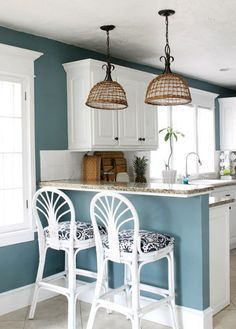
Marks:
<point>134,128</point>
<point>229,192</point>
<point>219,258</point>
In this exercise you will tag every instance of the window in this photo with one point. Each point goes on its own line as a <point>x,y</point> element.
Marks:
<point>17,166</point>
<point>196,122</point>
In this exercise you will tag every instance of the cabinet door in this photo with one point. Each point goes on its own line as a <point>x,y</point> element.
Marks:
<point>79,116</point>
<point>104,121</point>
<point>227,123</point>
<point>232,225</point>
<point>219,258</point>
<point>147,119</point>
<point>128,120</point>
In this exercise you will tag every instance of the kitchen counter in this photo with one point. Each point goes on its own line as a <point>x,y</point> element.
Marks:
<point>219,201</point>
<point>158,189</point>
<point>213,182</point>
<point>181,211</point>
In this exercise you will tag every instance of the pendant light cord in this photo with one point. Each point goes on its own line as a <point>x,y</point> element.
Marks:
<point>109,67</point>
<point>167,58</point>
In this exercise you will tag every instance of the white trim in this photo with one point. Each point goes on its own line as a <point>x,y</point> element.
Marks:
<point>18,64</point>
<point>13,300</point>
<point>188,317</point>
<point>14,237</point>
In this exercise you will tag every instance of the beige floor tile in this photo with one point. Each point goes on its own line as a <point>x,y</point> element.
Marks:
<point>114,320</point>
<point>225,320</point>
<point>52,314</point>
<point>19,315</point>
<point>12,324</point>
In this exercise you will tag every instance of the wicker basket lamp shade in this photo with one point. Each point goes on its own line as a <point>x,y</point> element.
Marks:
<point>107,94</point>
<point>168,89</point>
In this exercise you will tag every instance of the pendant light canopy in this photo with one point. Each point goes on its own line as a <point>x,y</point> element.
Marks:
<point>168,88</point>
<point>107,94</point>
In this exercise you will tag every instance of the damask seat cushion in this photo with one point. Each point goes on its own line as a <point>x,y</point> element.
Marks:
<point>150,241</point>
<point>84,231</point>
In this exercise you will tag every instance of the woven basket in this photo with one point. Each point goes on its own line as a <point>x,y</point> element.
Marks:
<point>91,168</point>
<point>107,95</point>
<point>168,89</point>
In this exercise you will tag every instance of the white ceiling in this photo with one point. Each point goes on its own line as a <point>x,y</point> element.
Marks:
<point>202,32</point>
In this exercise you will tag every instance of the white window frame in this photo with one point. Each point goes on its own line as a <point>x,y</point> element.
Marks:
<point>202,99</point>
<point>18,64</point>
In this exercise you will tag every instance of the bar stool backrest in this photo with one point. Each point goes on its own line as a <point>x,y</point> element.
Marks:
<point>51,206</point>
<point>115,212</point>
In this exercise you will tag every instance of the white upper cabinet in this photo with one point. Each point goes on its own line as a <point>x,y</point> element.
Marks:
<point>227,123</point>
<point>134,128</point>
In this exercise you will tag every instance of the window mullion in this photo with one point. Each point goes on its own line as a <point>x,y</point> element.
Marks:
<point>196,136</point>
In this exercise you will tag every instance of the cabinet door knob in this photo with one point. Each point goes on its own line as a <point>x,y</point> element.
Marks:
<point>227,194</point>
<point>116,138</point>
<point>140,139</point>
<point>144,139</point>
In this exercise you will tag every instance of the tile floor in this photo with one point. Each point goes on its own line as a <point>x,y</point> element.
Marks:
<point>52,314</point>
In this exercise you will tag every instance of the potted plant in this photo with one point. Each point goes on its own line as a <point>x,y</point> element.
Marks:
<point>140,166</point>
<point>169,175</point>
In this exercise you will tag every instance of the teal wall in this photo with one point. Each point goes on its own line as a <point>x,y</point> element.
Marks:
<point>18,263</point>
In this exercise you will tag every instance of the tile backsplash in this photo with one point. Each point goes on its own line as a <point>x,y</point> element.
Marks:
<point>60,165</point>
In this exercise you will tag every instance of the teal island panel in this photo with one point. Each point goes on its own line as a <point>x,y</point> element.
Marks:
<point>187,219</point>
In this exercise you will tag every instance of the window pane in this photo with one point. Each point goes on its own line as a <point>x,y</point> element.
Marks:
<point>11,157</point>
<point>206,145</point>
<point>184,120</point>
<point>11,207</point>
<point>159,157</point>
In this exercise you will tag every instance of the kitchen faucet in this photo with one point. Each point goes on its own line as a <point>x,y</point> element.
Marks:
<point>186,166</point>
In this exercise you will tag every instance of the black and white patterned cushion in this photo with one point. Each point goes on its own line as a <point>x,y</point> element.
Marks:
<point>84,231</point>
<point>150,241</point>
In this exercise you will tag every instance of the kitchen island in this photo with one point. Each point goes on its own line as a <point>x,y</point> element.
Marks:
<point>179,210</point>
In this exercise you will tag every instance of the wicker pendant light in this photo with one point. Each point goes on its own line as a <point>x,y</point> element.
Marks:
<point>168,88</point>
<point>107,94</point>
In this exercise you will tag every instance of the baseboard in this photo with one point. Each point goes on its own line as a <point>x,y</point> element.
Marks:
<point>187,317</point>
<point>21,297</point>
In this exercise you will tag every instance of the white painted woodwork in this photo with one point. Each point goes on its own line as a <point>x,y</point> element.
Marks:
<point>219,258</point>
<point>92,129</point>
<point>227,123</point>
<point>148,126</point>
<point>128,120</point>
<point>229,191</point>
<point>17,64</point>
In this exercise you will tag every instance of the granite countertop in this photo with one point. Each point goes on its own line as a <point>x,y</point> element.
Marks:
<point>219,201</point>
<point>173,190</point>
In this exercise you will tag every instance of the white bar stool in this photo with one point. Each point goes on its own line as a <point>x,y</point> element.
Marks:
<point>134,248</point>
<point>58,229</point>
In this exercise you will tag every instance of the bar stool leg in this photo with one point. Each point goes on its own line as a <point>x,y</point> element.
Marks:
<point>42,258</point>
<point>72,290</point>
<point>100,277</point>
<point>135,295</point>
<point>171,282</point>
<point>127,281</point>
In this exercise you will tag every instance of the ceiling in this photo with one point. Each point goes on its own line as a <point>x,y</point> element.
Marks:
<point>202,33</point>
